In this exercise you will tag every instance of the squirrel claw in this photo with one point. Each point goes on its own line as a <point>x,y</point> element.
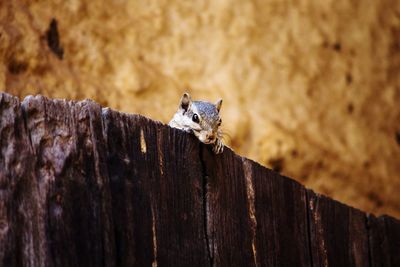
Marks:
<point>218,147</point>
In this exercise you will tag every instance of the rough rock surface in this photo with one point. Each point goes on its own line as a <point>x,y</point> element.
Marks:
<point>311,89</point>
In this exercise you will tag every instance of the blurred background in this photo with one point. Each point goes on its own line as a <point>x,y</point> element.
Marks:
<point>310,88</point>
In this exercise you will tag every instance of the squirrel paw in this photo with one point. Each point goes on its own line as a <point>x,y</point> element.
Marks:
<point>187,130</point>
<point>218,147</point>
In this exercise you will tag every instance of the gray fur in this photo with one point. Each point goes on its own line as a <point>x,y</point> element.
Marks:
<point>207,112</point>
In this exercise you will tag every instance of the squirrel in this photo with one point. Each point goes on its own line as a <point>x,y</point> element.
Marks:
<point>200,118</point>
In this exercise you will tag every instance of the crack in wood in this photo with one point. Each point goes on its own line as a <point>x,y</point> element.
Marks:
<point>154,233</point>
<point>248,174</point>
<point>206,210</point>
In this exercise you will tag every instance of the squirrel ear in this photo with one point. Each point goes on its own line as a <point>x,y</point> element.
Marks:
<point>185,101</point>
<point>218,104</point>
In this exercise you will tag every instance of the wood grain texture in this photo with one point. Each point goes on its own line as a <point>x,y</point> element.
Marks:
<point>384,238</point>
<point>339,234</point>
<point>157,193</point>
<point>228,221</point>
<point>82,185</point>
<point>18,241</point>
<point>281,213</point>
<point>72,198</point>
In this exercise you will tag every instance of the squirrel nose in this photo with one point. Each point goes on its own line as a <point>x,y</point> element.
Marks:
<point>210,136</point>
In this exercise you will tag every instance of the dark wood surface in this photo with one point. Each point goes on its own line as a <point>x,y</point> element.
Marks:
<point>339,233</point>
<point>281,214</point>
<point>157,199</point>
<point>83,185</point>
<point>384,241</point>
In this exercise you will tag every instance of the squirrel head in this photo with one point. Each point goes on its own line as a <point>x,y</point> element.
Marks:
<point>201,117</point>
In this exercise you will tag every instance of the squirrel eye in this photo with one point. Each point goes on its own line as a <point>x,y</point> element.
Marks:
<point>220,121</point>
<point>195,118</point>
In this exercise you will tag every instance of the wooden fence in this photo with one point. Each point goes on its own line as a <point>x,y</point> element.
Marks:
<point>86,186</point>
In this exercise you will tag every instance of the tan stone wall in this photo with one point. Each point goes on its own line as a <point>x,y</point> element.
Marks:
<point>311,88</point>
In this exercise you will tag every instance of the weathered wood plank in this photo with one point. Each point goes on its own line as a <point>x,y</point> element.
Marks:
<point>70,191</point>
<point>15,179</point>
<point>156,183</point>
<point>378,242</point>
<point>339,234</point>
<point>131,207</point>
<point>281,217</point>
<point>85,186</point>
<point>255,216</point>
<point>228,221</point>
<point>384,240</point>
